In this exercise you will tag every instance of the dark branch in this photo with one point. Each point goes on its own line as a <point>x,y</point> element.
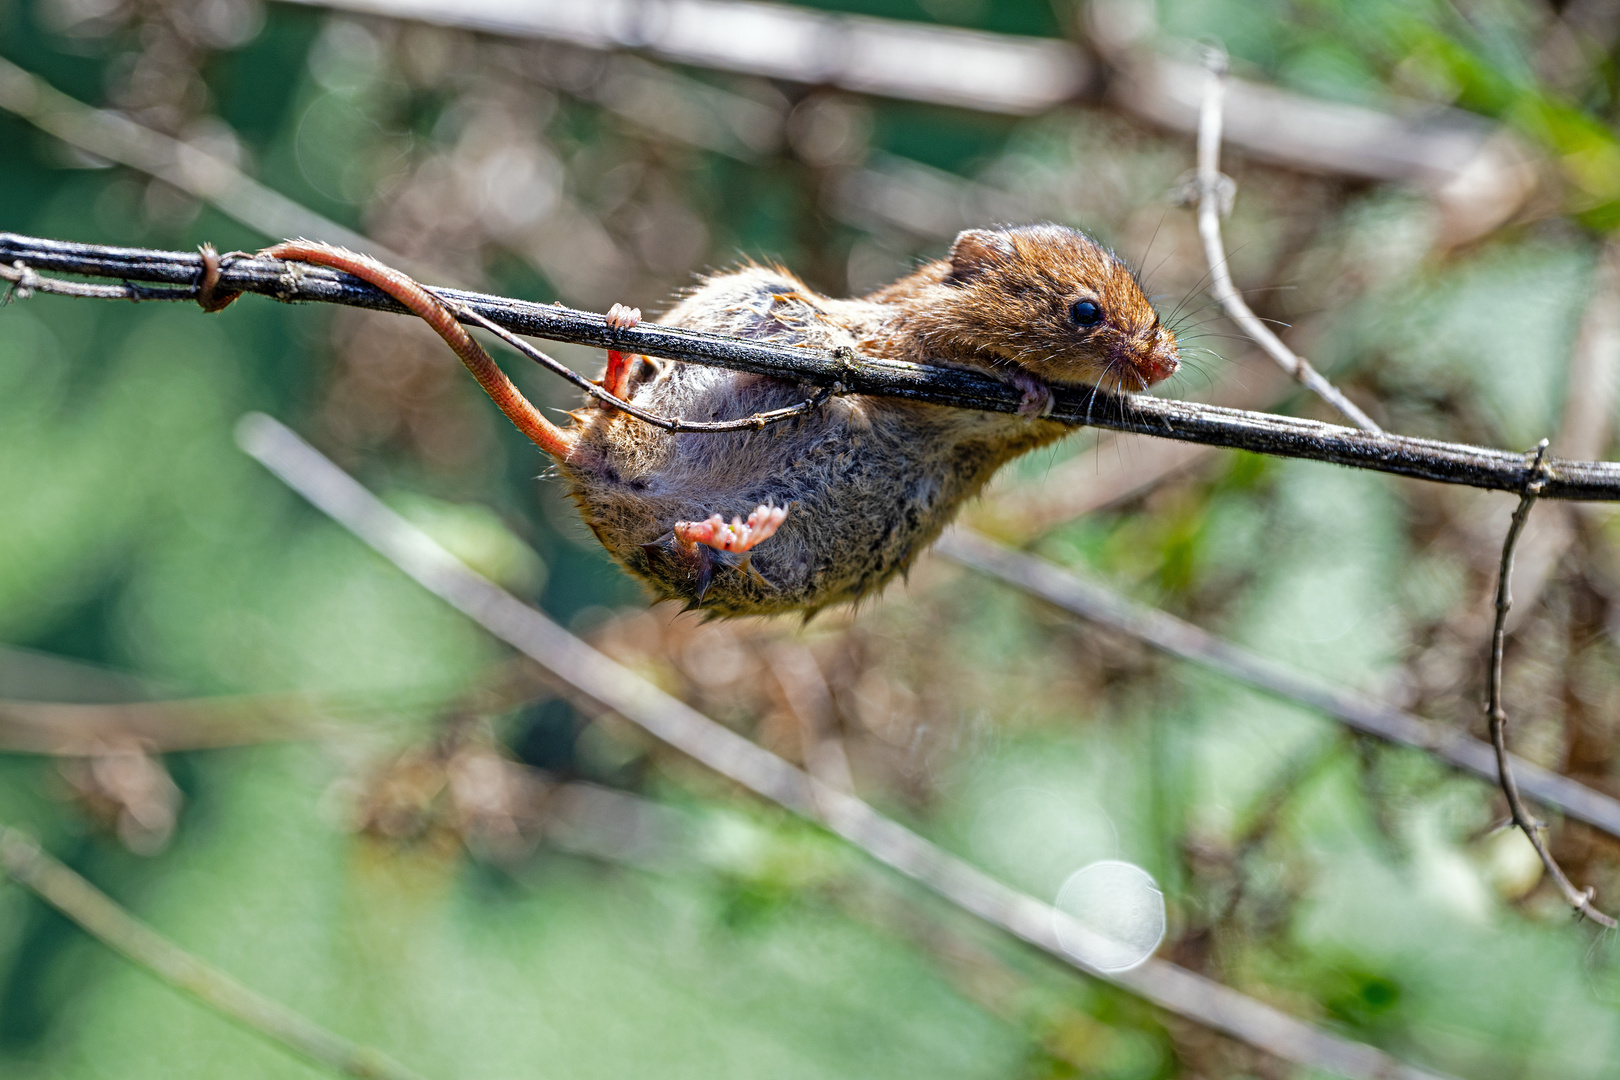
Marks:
<point>1265,433</point>
<point>1579,899</point>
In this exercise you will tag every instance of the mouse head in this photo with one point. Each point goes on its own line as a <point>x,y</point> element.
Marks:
<point>1055,303</point>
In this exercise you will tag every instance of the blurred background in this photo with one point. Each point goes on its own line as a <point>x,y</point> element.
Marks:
<point>270,744</point>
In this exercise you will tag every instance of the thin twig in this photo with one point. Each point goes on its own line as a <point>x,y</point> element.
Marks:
<point>1579,899</point>
<point>1360,712</point>
<point>28,281</point>
<point>596,390</point>
<point>1265,433</point>
<point>25,282</point>
<point>1214,196</point>
<point>616,688</point>
<point>22,860</point>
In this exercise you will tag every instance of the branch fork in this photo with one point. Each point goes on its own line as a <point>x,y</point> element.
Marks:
<point>1216,192</point>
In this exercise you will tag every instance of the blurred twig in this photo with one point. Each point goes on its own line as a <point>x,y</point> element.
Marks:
<point>808,698</point>
<point>1579,899</point>
<point>47,710</point>
<point>1355,710</point>
<point>1428,459</point>
<point>24,862</point>
<point>667,105</point>
<point>1215,193</point>
<point>195,171</point>
<point>897,58</point>
<point>572,661</point>
<point>1476,172</point>
<point>73,729</point>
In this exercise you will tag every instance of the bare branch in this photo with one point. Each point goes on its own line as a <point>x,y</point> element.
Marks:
<point>1266,433</point>
<point>71,729</point>
<point>1214,198</point>
<point>25,282</point>
<point>1360,712</point>
<point>616,688</point>
<point>22,860</point>
<point>1579,899</point>
<point>122,715</point>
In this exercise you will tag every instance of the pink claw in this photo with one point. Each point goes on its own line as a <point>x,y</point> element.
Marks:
<point>622,317</point>
<point>738,535</point>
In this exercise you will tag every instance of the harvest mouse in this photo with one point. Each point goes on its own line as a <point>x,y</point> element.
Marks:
<point>828,506</point>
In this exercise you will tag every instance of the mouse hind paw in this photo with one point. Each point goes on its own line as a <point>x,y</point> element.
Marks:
<point>736,535</point>
<point>684,560</point>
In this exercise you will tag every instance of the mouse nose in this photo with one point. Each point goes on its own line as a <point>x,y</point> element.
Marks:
<point>1159,366</point>
<point>1158,358</point>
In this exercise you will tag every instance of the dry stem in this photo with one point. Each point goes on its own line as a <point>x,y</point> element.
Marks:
<point>1579,899</point>
<point>1214,190</point>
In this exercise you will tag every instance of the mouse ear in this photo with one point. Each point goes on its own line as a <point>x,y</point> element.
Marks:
<point>975,251</point>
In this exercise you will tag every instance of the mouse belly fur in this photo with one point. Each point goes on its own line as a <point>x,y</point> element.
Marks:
<point>868,482</point>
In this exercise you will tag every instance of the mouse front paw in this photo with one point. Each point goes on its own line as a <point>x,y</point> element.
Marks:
<point>737,535</point>
<point>616,379</point>
<point>1037,400</point>
<point>623,317</point>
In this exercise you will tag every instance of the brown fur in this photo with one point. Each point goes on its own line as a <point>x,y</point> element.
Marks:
<point>870,482</point>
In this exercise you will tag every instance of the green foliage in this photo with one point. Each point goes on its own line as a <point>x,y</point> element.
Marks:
<point>1480,58</point>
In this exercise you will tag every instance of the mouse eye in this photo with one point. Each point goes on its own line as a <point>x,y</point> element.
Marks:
<point>1085,313</point>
